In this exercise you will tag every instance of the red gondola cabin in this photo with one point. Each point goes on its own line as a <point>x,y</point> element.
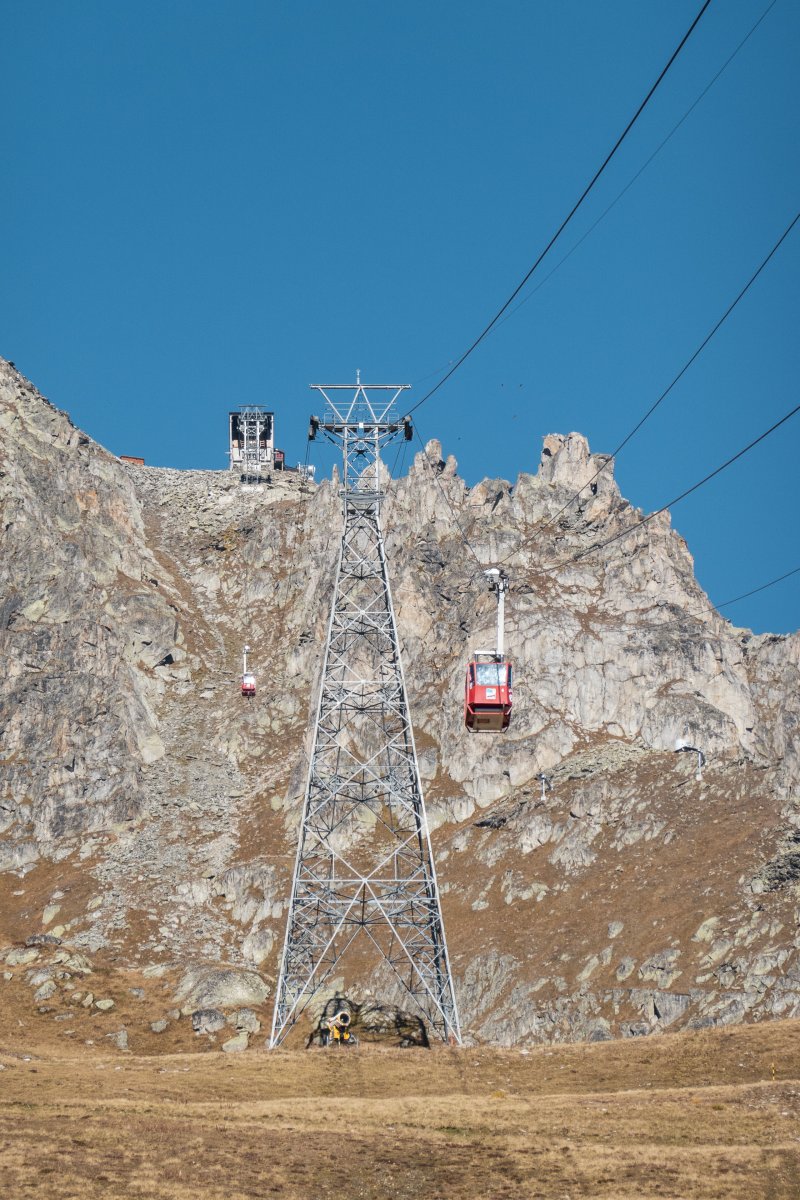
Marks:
<point>248,684</point>
<point>488,694</point>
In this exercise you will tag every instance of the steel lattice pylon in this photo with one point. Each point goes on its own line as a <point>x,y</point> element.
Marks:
<point>364,861</point>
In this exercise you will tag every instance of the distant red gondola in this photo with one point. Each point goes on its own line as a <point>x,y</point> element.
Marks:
<point>248,678</point>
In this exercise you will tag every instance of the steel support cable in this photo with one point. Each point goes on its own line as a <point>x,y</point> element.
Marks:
<point>628,185</point>
<point>714,608</point>
<point>569,215</point>
<point>689,362</point>
<point>300,520</point>
<point>643,167</point>
<point>464,538</point>
<point>754,591</point>
<point>400,457</point>
<point>682,496</point>
<point>446,499</point>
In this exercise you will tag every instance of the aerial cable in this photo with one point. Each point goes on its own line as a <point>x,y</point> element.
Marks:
<point>630,435</point>
<point>401,457</point>
<point>756,590</point>
<point>403,451</point>
<point>581,554</point>
<point>446,499</point>
<point>666,391</point>
<point>641,170</point>
<point>627,187</point>
<point>682,496</point>
<point>713,608</point>
<point>570,214</point>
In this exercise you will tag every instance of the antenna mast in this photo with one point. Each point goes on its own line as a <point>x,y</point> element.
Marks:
<point>364,861</point>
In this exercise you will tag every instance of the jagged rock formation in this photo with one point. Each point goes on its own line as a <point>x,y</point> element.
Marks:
<point>148,813</point>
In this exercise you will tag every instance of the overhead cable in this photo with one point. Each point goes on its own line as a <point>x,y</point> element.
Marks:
<point>446,499</point>
<point>713,608</point>
<point>643,167</point>
<point>756,590</point>
<point>666,391</point>
<point>682,496</point>
<point>570,214</point>
<point>629,184</point>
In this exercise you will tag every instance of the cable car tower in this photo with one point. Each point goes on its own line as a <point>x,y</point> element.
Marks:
<point>364,862</point>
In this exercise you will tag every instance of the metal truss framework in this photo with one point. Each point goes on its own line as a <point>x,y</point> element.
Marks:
<point>364,862</point>
<point>256,428</point>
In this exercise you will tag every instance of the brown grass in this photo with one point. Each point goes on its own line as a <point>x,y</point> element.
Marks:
<point>691,1115</point>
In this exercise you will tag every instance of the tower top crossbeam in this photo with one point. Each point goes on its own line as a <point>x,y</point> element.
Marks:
<point>361,419</point>
<point>369,406</point>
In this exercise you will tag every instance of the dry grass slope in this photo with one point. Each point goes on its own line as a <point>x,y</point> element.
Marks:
<point>712,1115</point>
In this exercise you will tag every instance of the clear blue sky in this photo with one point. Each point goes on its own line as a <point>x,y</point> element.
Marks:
<point>209,204</point>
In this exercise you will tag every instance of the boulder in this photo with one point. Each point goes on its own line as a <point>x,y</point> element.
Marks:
<point>246,1019</point>
<point>219,987</point>
<point>235,1044</point>
<point>20,958</point>
<point>208,1020</point>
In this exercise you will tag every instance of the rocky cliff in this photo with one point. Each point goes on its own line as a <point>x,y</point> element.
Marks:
<point>148,814</point>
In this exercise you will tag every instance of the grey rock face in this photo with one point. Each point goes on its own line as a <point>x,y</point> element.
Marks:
<point>77,610</point>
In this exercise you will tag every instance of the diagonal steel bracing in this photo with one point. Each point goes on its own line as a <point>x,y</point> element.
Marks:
<point>364,862</point>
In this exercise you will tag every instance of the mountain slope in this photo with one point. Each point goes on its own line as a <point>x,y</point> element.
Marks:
<point>156,811</point>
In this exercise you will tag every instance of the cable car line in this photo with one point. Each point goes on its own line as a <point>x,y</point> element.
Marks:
<point>446,499</point>
<point>611,458</point>
<point>762,588</point>
<point>569,216</point>
<point>626,188</point>
<point>534,537</point>
<point>641,170</point>
<point>714,608</point>
<point>651,410</point>
<point>682,496</point>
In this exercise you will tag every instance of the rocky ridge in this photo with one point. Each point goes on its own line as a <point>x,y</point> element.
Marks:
<point>148,814</point>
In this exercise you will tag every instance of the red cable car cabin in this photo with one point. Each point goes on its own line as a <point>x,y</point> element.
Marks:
<point>248,684</point>
<point>488,694</point>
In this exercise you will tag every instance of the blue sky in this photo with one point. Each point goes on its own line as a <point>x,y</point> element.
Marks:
<point>206,205</point>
